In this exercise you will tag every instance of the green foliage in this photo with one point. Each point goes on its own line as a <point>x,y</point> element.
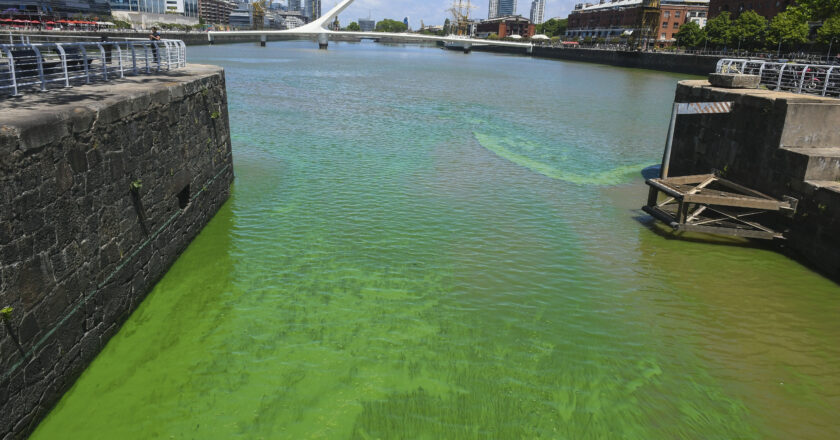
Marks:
<point>493,36</point>
<point>690,35</point>
<point>388,25</point>
<point>815,10</point>
<point>749,29</point>
<point>136,185</point>
<point>553,28</point>
<point>830,30</point>
<point>215,115</point>
<point>6,313</point>
<point>720,29</point>
<point>119,24</point>
<point>354,27</point>
<point>788,27</point>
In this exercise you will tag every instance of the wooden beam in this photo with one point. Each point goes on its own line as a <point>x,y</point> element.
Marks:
<point>747,191</point>
<point>746,233</point>
<point>735,202</point>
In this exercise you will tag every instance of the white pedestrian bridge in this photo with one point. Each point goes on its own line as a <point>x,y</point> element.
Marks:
<point>317,30</point>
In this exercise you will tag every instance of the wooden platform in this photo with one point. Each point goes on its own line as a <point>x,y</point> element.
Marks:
<point>710,204</point>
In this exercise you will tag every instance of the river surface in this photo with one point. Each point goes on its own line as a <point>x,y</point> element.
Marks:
<point>426,244</point>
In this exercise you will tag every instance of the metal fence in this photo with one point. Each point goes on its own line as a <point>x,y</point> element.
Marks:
<point>812,79</point>
<point>41,65</point>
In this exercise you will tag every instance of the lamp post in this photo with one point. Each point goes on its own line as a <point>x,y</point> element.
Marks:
<point>779,51</point>
<point>739,44</point>
<point>828,55</point>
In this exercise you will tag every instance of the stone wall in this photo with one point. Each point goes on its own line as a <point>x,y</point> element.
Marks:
<point>669,62</point>
<point>101,187</point>
<point>781,144</point>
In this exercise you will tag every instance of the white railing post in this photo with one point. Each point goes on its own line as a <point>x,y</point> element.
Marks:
<point>119,60</point>
<point>781,74</point>
<point>39,60</point>
<point>12,72</point>
<point>104,61</point>
<point>63,64</point>
<point>827,79</point>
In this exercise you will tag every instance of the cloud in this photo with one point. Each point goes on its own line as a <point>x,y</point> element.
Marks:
<point>434,11</point>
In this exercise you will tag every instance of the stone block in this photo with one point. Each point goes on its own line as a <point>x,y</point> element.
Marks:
<point>734,81</point>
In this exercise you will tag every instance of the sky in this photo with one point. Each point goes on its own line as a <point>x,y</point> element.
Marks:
<point>434,12</point>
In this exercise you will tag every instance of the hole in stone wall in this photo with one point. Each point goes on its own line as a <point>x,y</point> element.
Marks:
<point>184,197</point>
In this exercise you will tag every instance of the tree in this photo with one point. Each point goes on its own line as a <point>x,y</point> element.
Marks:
<point>447,25</point>
<point>388,25</point>
<point>749,30</point>
<point>690,35</point>
<point>554,27</point>
<point>815,10</point>
<point>788,27</point>
<point>830,30</point>
<point>719,29</point>
<point>354,27</point>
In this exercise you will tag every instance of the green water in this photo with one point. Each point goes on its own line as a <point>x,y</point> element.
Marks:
<point>422,244</point>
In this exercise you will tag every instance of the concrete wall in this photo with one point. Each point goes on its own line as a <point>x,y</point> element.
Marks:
<point>79,249</point>
<point>781,144</point>
<point>145,20</point>
<point>670,62</point>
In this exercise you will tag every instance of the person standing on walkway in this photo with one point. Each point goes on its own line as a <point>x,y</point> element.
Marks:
<point>155,36</point>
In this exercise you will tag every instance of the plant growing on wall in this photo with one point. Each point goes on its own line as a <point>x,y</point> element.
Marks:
<point>6,317</point>
<point>136,186</point>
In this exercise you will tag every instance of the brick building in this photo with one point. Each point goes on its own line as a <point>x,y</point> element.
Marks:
<point>506,26</point>
<point>615,19</point>
<point>766,8</point>
<point>672,15</point>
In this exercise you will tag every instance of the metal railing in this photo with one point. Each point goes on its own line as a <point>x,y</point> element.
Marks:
<point>812,79</point>
<point>40,65</point>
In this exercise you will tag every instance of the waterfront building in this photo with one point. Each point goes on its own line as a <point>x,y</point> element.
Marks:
<point>215,11</point>
<point>294,5</point>
<point>615,19</point>
<point>501,8</point>
<point>537,11</point>
<point>505,27</point>
<point>59,8</point>
<point>312,9</point>
<point>293,19</point>
<point>146,6</point>
<point>768,8</point>
<point>241,18</point>
<point>367,24</point>
<point>187,8</point>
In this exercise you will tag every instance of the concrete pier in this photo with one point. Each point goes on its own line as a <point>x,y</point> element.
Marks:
<point>781,144</point>
<point>102,187</point>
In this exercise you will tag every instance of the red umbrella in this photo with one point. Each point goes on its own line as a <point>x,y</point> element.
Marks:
<point>50,22</point>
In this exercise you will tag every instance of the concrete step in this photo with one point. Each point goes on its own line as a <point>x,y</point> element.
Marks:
<point>816,164</point>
